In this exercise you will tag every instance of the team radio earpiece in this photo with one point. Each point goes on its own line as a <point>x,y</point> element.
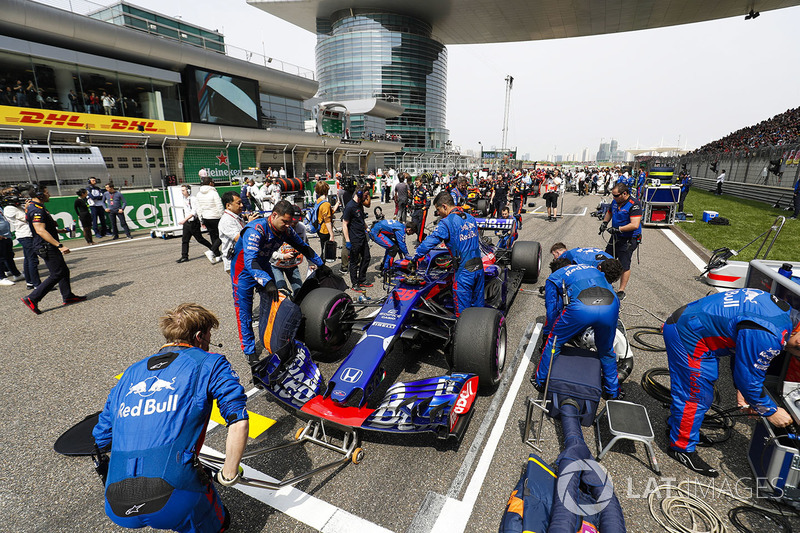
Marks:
<point>200,333</point>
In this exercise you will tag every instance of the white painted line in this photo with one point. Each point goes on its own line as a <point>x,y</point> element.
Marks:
<point>581,214</point>
<point>537,209</point>
<point>303,507</point>
<point>455,514</point>
<point>121,240</point>
<point>688,252</point>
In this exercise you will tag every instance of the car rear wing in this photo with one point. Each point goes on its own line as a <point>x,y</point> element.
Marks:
<point>496,224</point>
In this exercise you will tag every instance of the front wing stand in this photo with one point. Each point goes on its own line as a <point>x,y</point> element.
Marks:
<point>313,432</point>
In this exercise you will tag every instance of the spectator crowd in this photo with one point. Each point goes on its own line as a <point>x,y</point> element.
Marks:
<point>776,131</point>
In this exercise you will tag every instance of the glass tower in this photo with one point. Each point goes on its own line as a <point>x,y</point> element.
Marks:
<point>368,54</point>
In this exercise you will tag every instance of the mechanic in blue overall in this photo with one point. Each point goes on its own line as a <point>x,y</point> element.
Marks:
<point>459,192</point>
<point>154,422</point>
<point>251,271</point>
<point>580,256</point>
<point>390,235</point>
<point>686,184</point>
<point>625,217</point>
<point>748,325</point>
<point>459,232</point>
<point>578,297</point>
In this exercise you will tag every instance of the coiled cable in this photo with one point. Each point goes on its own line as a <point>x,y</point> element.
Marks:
<point>704,519</point>
<point>779,524</point>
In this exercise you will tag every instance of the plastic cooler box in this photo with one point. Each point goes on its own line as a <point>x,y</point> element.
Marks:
<point>708,215</point>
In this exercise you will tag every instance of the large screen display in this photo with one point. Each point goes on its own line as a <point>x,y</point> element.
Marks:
<point>219,98</point>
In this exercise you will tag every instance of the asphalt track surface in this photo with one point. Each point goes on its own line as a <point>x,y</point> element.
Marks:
<point>59,367</point>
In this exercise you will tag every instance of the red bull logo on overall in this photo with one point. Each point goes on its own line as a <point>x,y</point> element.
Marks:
<point>149,407</point>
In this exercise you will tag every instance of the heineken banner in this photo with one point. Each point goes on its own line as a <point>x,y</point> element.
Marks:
<point>222,164</point>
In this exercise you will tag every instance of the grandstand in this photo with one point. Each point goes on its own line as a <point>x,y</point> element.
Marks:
<point>762,161</point>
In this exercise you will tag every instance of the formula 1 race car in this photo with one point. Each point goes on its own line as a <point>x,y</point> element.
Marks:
<point>417,311</point>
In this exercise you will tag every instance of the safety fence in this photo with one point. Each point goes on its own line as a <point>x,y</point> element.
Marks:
<point>748,174</point>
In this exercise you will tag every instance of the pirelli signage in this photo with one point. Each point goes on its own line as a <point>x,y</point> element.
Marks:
<point>45,118</point>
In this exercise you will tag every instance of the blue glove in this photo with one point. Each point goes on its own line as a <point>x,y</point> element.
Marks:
<point>317,260</point>
<point>408,258</point>
<point>416,258</point>
<point>348,245</point>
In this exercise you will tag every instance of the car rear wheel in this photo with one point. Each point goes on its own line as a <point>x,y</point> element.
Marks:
<point>324,309</point>
<point>527,256</point>
<point>479,345</point>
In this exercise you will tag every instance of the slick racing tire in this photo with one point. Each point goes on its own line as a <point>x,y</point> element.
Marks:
<point>482,207</point>
<point>323,309</point>
<point>527,256</point>
<point>479,345</point>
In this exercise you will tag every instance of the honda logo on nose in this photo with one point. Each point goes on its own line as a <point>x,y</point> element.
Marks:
<point>351,375</point>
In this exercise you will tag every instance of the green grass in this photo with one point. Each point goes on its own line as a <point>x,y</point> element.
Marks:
<point>748,219</point>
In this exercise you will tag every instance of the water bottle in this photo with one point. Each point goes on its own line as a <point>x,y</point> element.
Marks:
<point>785,270</point>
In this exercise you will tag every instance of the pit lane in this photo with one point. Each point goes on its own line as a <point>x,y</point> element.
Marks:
<point>59,367</point>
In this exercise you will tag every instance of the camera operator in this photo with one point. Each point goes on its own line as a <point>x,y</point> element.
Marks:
<point>231,225</point>
<point>625,216</point>
<point>154,421</point>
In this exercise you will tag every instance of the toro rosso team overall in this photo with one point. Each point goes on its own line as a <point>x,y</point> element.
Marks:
<point>251,270</point>
<point>391,235</point>
<point>459,232</point>
<point>590,301</point>
<point>155,421</point>
<point>750,326</point>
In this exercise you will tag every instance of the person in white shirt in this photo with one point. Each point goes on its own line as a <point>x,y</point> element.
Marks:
<point>282,173</point>
<point>209,209</point>
<point>720,181</point>
<point>191,225</point>
<point>230,226</point>
<point>14,212</point>
<point>274,192</point>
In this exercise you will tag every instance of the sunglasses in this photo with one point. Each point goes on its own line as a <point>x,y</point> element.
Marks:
<point>616,195</point>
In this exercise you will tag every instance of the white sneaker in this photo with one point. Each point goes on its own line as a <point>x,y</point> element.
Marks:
<point>6,282</point>
<point>218,259</point>
<point>18,277</point>
<point>210,255</point>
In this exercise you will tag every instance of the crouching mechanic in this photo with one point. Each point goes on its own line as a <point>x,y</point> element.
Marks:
<point>580,256</point>
<point>751,327</point>
<point>459,232</point>
<point>391,235</point>
<point>578,297</point>
<point>251,268</point>
<point>155,422</point>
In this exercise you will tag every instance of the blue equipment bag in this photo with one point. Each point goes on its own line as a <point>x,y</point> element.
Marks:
<point>576,374</point>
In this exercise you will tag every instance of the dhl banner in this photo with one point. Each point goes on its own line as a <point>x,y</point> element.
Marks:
<point>45,118</point>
